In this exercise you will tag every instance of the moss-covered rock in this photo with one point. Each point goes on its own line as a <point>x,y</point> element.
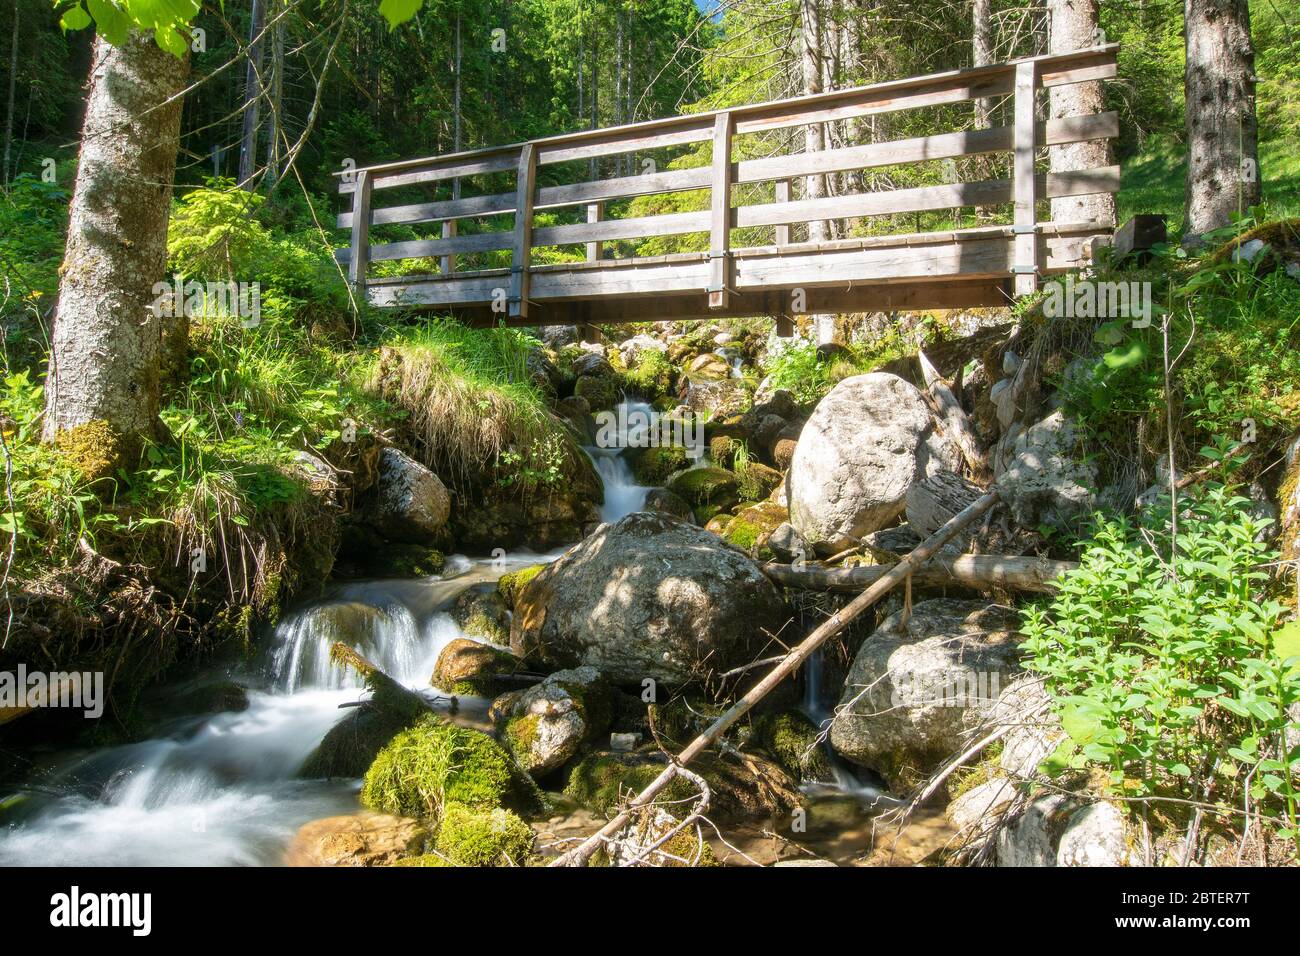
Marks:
<point>744,787</point>
<point>548,722</point>
<point>473,837</point>
<point>433,764</point>
<point>471,668</point>
<point>481,612</point>
<point>601,392</point>
<point>654,466</point>
<point>664,501</point>
<point>352,744</point>
<point>699,487</point>
<point>412,561</point>
<point>791,739</point>
<point>756,481</point>
<point>512,582</point>
<point>750,529</point>
<point>652,375</point>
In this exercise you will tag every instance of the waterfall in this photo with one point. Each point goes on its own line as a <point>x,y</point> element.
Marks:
<point>221,789</point>
<point>622,493</point>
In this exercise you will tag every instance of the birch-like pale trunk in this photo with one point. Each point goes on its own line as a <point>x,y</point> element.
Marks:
<point>106,346</point>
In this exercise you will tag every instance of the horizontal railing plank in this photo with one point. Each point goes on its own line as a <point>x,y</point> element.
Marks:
<point>989,192</point>
<point>1057,132</point>
<point>1097,63</point>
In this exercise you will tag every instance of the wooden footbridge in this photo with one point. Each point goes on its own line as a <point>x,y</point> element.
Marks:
<point>542,285</point>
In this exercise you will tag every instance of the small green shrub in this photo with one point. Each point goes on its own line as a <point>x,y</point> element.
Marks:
<point>1166,658</point>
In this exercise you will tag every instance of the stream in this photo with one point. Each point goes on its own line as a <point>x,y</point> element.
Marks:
<point>221,789</point>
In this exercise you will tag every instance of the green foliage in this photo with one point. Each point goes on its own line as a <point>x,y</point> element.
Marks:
<point>1233,328</point>
<point>1166,659</point>
<point>471,401</point>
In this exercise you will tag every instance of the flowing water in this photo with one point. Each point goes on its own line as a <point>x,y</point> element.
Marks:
<point>221,789</point>
<point>622,493</point>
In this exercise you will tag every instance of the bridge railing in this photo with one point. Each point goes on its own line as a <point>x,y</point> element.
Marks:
<point>715,272</point>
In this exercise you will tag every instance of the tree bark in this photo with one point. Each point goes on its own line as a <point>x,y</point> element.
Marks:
<point>5,174</point>
<point>1073,25</point>
<point>1219,83</point>
<point>982,55</point>
<point>104,356</point>
<point>252,98</point>
<point>814,134</point>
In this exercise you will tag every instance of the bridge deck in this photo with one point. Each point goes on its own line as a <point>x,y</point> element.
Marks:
<point>938,269</point>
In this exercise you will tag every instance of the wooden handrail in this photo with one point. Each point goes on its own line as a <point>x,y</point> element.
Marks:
<point>1020,78</point>
<point>1056,69</point>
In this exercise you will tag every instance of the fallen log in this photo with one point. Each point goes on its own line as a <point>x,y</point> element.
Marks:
<point>982,572</point>
<point>579,855</point>
<point>956,424</point>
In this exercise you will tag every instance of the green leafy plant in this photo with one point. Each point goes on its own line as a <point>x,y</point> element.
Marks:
<point>1165,653</point>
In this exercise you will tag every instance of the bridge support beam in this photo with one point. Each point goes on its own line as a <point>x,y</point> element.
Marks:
<point>720,268</point>
<point>521,256</point>
<point>1025,266</point>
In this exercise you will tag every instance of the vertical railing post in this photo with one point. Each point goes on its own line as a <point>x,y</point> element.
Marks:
<point>447,264</point>
<point>595,213</point>
<point>521,258</point>
<point>784,324</point>
<point>359,262</point>
<point>1025,265</point>
<point>783,195</point>
<point>720,229</point>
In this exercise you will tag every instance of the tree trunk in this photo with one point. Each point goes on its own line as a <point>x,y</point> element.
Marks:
<point>814,134</point>
<point>104,355</point>
<point>277,130</point>
<point>252,98</point>
<point>1073,26</point>
<point>5,174</point>
<point>982,55</point>
<point>1222,158</point>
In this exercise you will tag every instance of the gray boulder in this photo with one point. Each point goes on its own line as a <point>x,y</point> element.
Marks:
<point>547,723</point>
<point>917,687</point>
<point>866,443</point>
<point>412,504</point>
<point>647,596</point>
<point>1040,475</point>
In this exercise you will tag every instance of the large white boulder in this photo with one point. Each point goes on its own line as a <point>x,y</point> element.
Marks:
<point>647,596</point>
<point>866,443</point>
<point>918,686</point>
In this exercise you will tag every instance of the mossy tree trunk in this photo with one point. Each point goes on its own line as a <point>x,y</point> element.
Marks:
<point>104,358</point>
<point>1219,88</point>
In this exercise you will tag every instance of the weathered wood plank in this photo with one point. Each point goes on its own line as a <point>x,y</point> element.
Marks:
<point>782,229</point>
<point>1058,132</point>
<point>1026,192</point>
<point>720,213</point>
<point>595,213</point>
<point>521,257</point>
<point>359,253</point>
